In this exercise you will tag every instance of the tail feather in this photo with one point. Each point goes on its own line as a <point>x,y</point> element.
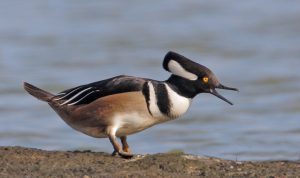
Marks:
<point>37,92</point>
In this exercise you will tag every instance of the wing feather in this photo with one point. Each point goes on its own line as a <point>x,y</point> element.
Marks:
<point>88,93</point>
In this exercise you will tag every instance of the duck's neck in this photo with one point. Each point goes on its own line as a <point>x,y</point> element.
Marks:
<point>178,104</point>
<point>182,86</point>
<point>167,98</point>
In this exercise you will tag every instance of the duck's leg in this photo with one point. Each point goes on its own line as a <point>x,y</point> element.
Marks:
<point>117,149</point>
<point>125,145</point>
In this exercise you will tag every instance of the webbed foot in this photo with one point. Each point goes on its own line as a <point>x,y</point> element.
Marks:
<point>123,154</point>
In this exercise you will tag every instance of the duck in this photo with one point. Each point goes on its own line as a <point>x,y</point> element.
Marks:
<point>124,105</point>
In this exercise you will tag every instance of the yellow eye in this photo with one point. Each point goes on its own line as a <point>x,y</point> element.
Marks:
<point>205,79</point>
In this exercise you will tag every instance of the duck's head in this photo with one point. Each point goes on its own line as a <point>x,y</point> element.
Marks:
<point>192,78</point>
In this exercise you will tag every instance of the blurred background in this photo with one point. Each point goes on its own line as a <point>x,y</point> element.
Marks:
<point>251,45</point>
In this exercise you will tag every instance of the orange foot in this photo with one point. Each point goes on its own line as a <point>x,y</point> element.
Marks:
<point>126,149</point>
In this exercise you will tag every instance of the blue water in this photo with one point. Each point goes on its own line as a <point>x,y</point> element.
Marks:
<point>251,45</point>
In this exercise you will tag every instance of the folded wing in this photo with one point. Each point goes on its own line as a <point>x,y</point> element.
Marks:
<point>88,93</point>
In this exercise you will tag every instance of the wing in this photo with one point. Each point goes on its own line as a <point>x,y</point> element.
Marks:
<point>88,93</point>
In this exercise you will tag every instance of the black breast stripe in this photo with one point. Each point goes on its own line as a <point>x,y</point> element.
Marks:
<point>162,98</point>
<point>147,95</point>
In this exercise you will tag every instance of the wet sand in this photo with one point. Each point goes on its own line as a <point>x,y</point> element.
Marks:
<point>28,162</point>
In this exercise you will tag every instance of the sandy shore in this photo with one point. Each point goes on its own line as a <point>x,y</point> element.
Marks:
<point>28,162</point>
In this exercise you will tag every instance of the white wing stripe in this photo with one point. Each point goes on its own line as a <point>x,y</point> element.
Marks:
<point>68,94</point>
<point>82,98</point>
<point>75,96</point>
<point>59,94</point>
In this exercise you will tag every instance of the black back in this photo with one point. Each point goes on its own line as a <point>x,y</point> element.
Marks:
<point>92,91</point>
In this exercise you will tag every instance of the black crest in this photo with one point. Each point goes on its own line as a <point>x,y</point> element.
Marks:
<point>184,67</point>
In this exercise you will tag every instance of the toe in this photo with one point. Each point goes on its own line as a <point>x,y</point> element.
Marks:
<point>125,154</point>
<point>115,153</point>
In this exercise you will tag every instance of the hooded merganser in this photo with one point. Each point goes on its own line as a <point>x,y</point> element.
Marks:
<point>124,105</point>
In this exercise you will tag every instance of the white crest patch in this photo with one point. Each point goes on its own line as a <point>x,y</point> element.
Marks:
<point>176,69</point>
<point>179,104</point>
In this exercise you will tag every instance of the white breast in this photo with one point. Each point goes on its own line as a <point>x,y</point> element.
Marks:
<point>179,104</point>
<point>126,124</point>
